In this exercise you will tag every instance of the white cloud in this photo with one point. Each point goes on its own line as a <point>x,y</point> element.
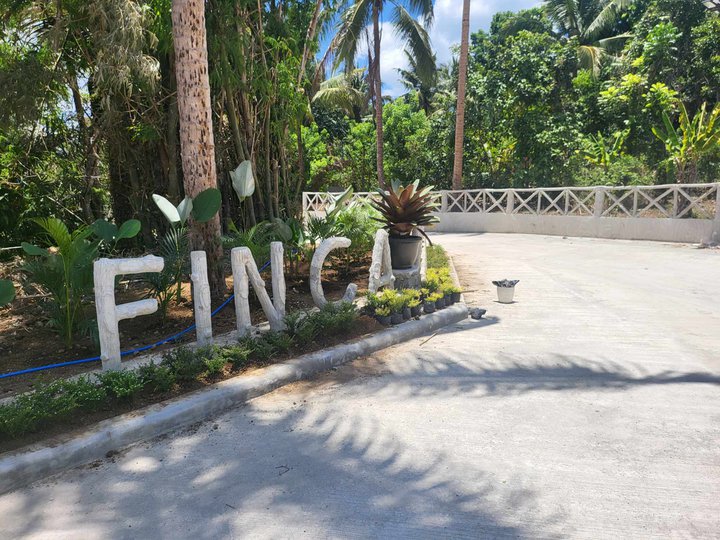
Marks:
<point>444,33</point>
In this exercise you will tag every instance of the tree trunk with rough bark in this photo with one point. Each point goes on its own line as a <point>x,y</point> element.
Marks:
<point>196,134</point>
<point>460,109</point>
<point>378,94</point>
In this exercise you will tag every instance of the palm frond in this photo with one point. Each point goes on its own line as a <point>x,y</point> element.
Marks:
<point>417,39</point>
<point>565,14</point>
<point>590,57</point>
<point>424,9</point>
<point>605,20</point>
<point>350,31</point>
<point>342,92</point>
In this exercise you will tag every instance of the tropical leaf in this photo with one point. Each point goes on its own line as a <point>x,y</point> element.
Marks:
<point>184,209</point>
<point>105,230</point>
<point>417,39</point>
<point>167,208</point>
<point>243,181</point>
<point>206,204</point>
<point>33,250</point>
<point>7,292</point>
<point>129,229</point>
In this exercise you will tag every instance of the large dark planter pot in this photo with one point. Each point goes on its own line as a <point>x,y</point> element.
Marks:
<point>383,319</point>
<point>449,299</point>
<point>406,313</point>
<point>416,311</point>
<point>455,297</point>
<point>440,303</point>
<point>404,251</point>
<point>396,318</point>
<point>429,307</point>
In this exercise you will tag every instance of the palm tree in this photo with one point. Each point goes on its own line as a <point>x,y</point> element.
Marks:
<point>422,84</point>
<point>352,29</point>
<point>196,134</point>
<point>347,92</point>
<point>460,109</point>
<point>592,22</point>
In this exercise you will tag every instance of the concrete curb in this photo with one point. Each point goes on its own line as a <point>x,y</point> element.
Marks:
<point>34,463</point>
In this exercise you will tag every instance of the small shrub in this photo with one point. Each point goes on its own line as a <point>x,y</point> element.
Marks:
<point>237,355</point>
<point>121,384</point>
<point>85,393</point>
<point>279,341</point>
<point>301,327</point>
<point>158,378</point>
<point>215,364</point>
<point>333,318</point>
<point>260,349</point>
<point>186,363</point>
<point>19,418</point>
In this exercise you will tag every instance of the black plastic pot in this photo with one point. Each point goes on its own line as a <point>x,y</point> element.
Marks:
<point>396,318</point>
<point>440,303</point>
<point>416,311</point>
<point>406,313</point>
<point>404,251</point>
<point>429,307</point>
<point>455,297</point>
<point>383,319</point>
<point>448,299</point>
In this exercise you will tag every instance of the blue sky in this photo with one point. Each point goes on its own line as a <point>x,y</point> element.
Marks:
<point>444,33</point>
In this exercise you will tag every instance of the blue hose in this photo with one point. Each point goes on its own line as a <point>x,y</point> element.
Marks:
<point>124,353</point>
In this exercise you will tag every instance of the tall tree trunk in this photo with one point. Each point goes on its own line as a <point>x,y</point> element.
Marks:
<point>378,93</point>
<point>309,37</point>
<point>89,137</point>
<point>197,144</point>
<point>460,109</point>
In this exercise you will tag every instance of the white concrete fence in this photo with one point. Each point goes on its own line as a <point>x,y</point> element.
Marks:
<point>671,213</point>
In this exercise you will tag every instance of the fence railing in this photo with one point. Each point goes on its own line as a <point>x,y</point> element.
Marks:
<point>698,201</point>
<point>674,212</point>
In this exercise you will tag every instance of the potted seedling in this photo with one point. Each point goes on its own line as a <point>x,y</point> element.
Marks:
<point>439,299</point>
<point>382,314</point>
<point>455,292</point>
<point>396,303</point>
<point>506,290</point>
<point>404,210</point>
<point>414,302</point>
<point>447,292</point>
<point>428,305</point>
<point>406,306</point>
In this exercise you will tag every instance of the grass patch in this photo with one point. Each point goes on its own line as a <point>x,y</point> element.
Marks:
<point>437,257</point>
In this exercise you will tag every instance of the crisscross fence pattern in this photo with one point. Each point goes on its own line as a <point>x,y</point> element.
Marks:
<point>698,201</point>
<point>673,212</point>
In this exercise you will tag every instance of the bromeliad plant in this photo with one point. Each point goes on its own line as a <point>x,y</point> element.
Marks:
<point>406,209</point>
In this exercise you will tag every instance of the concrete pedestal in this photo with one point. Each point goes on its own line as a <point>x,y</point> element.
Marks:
<point>408,278</point>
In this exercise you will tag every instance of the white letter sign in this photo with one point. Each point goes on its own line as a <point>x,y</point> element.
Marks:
<point>109,314</point>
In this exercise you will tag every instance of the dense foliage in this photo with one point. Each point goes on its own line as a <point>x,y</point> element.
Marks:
<point>568,93</point>
<point>548,103</point>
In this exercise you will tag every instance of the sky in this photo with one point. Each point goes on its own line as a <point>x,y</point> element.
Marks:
<point>444,33</point>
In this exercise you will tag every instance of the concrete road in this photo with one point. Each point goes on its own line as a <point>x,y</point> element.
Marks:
<point>590,408</point>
